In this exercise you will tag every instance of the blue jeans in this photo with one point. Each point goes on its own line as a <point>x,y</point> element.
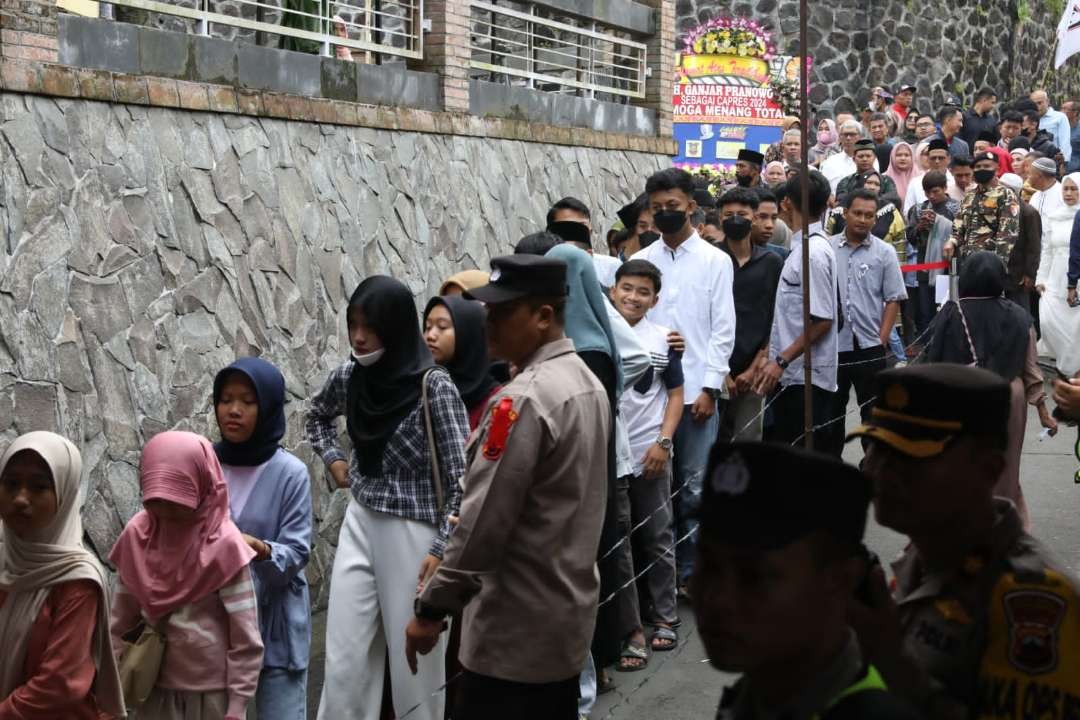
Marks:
<point>896,346</point>
<point>282,694</point>
<point>693,441</point>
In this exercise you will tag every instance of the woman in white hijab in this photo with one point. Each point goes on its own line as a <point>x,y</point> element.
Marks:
<point>57,660</point>
<point>1060,323</point>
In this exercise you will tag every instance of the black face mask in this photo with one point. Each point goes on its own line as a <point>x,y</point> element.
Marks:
<point>744,180</point>
<point>984,176</point>
<point>647,238</point>
<point>669,222</point>
<point>736,227</point>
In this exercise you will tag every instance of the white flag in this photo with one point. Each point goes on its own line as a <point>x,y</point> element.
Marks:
<point>1068,34</point>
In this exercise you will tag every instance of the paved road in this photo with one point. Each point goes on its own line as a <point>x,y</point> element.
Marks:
<point>679,686</point>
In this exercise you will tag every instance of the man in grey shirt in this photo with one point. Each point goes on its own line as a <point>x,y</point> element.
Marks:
<point>790,339</point>
<point>871,288</point>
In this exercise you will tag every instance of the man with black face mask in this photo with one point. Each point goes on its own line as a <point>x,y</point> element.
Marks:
<point>747,169</point>
<point>700,306</point>
<point>757,273</point>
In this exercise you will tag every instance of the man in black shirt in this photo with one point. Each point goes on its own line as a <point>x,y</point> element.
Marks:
<point>757,273</point>
<point>980,118</point>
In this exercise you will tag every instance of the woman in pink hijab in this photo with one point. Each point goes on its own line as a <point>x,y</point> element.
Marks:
<point>183,566</point>
<point>902,167</point>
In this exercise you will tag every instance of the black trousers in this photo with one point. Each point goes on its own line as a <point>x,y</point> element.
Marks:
<point>788,406</point>
<point>858,369</point>
<point>480,697</point>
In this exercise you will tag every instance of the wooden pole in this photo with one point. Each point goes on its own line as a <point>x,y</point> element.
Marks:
<point>804,122</point>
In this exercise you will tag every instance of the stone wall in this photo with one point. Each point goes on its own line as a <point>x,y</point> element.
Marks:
<point>943,48</point>
<point>144,248</point>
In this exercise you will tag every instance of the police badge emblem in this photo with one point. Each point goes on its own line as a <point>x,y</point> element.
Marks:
<point>731,477</point>
<point>1034,616</point>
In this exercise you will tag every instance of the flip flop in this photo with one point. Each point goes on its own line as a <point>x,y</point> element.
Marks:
<point>633,651</point>
<point>664,634</point>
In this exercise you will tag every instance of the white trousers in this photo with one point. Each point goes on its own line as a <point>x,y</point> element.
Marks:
<point>371,601</point>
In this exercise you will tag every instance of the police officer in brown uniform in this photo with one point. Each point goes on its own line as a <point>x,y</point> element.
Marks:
<point>983,622</point>
<point>522,560</point>
<point>779,560</point>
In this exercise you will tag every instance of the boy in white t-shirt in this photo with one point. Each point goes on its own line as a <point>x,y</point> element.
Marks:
<point>651,411</point>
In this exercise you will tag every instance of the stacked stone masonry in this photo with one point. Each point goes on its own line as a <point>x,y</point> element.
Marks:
<point>943,48</point>
<point>144,248</point>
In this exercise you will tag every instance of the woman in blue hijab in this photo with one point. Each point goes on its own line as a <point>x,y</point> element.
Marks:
<point>588,325</point>
<point>270,501</point>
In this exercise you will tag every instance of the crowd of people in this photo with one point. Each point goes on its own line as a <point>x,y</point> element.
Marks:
<point>552,453</point>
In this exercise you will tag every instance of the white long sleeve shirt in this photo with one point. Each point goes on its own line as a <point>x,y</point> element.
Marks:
<point>696,300</point>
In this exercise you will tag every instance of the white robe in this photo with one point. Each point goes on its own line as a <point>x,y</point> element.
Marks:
<point>1060,323</point>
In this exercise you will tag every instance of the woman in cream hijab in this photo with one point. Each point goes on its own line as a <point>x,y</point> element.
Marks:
<point>57,661</point>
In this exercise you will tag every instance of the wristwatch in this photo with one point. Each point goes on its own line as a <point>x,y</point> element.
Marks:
<point>712,392</point>
<point>782,362</point>
<point>664,442</point>
<point>428,612</point>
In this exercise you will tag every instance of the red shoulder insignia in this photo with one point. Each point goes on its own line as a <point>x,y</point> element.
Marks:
<point>503,417</point>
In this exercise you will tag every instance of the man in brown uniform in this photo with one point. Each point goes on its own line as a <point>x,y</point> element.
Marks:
<point>985,624</point>
<point>522,560</point>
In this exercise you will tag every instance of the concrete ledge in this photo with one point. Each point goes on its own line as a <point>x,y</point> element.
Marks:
<point>489,99</point>
<point>137,50</point>
<point>103,85</point>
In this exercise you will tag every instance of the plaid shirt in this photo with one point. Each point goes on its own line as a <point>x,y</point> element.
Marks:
<point>405,487</point>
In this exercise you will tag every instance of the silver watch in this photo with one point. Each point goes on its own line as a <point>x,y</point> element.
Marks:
<point>664,442</point>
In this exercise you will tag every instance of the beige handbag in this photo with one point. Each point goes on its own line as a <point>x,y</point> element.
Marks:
<point>141,660</point>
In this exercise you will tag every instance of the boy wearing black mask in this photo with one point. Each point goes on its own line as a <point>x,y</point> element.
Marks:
<point>702,309</point>
<point>757,273</point>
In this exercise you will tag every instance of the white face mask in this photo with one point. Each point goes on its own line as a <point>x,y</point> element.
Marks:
<point>368,359</point>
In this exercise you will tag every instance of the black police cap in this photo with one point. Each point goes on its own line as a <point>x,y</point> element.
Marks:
<point>518,276</point>
<point>766,496</point>
<point>920,408</point>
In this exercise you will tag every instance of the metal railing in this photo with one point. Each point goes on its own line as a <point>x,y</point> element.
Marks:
<point>389,27</point>
<point>555,55</point>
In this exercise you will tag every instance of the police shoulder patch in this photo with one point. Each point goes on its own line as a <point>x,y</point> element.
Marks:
<point>503,417</point>
<point>1034,618</point>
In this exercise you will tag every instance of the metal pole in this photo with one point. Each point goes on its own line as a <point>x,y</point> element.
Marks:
<point>804,122</point>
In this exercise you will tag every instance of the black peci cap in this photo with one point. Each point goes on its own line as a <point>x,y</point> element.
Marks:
<point>865,144</point>
<point>986,136</point>
<point>518,276</point>
<point>766,496</point>
<point>920,408</point>
<point>937,143</point>
<point>752,156</point>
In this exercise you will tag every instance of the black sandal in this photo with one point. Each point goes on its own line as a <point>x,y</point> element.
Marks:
<point>633,651</point>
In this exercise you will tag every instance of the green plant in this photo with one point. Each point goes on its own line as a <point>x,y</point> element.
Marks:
<point>1023,11</point>
<point>1055,8</point>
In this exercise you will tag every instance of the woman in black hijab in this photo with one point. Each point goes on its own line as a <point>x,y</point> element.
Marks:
<point>987,330</point>
<point>456,336</point>
<point>397,520</point>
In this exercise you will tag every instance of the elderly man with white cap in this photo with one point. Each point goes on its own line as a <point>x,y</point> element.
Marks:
<point>1024,259</point>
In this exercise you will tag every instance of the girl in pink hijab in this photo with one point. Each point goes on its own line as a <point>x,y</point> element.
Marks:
<point>183,566</point>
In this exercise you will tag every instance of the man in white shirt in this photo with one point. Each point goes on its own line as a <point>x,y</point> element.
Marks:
<point>839,166</point>
<point>789,337</point>
<point>698,303</point>
<point>939,159</point>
